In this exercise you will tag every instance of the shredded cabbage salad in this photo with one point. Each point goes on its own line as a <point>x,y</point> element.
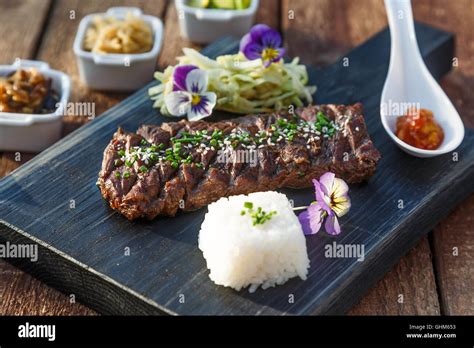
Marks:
<point>242,86</point>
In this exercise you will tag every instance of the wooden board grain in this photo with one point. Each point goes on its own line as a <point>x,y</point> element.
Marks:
<point>117,283</point>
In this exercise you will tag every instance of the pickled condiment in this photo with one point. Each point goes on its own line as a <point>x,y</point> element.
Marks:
<point>27,92</point>
<point>418,128</point>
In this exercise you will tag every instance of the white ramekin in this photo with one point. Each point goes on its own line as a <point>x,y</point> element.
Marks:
<point>202,25</point>
<point>34,132</point>
<point>117,72</point>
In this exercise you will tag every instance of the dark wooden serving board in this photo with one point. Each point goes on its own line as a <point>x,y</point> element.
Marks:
<point>83,248</point>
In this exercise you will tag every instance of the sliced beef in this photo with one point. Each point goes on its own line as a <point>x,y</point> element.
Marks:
<point>150,187</point>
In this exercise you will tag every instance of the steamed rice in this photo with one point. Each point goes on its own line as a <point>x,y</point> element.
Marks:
<point>239,254</point>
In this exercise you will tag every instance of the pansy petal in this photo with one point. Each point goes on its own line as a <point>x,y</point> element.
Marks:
<point>245,41</point>
<point>321,197</point>
<point>326,181</point>
<point>304,221</point>
<point>250,48</point>
<point>341,205</point>
<point>258,31</point>
<point>271,38</point>
<point>179,76</point>
<point>281,53</point>
<point>178,103</point>
<point>316,185</point>
<point>332,225</point>
<point>311,219</point>
<point>315,217</point>
<point>339,188</point>
<point>267,63</point>
<point>196,81</point>
<point>203,108</point>
<point>253,51</point>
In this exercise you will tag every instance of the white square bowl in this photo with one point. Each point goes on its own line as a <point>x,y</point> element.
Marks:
<point>34,132</point>
<point>202,25</point>
<point>117,72</point>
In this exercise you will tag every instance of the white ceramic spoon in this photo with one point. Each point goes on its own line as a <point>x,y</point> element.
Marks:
<point>409,83</point>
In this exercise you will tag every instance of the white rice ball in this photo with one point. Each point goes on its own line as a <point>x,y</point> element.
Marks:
<point>239,254</point>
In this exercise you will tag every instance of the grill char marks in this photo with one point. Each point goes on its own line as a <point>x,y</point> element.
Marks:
<point>164,189</point>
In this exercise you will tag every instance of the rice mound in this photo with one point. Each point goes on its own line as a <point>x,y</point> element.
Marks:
<point>239,254</point>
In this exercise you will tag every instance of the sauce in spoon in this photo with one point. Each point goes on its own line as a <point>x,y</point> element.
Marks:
<point>418,128</point>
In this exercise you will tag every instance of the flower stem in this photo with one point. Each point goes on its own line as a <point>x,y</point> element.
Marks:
<point>300,208</point>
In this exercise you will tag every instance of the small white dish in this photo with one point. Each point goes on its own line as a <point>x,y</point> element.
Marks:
<point>34,132</point>
<point>410,83</point>
<point>202,25</point>
<point>117,72</point>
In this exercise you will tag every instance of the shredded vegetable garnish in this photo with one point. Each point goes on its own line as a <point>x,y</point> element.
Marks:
<point>242,86</point>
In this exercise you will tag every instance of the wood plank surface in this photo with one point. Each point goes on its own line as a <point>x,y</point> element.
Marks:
<point>453,242</point>
<point>453,239</point>
<point>324,41</point>
<point>406,289</point>
<point>21,26</point>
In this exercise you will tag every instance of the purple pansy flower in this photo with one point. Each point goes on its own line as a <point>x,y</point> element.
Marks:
<point>262,42</point>
<point>189,96</point>
<point>332,201</point>
<point>311,219</point>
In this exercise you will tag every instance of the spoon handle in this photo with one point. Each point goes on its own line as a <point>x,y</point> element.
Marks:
<point>402,31</point>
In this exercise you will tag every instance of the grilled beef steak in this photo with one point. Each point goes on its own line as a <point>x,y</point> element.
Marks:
<point>183,165</point>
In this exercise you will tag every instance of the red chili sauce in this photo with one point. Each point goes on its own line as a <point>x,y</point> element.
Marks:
<point>418,128</point>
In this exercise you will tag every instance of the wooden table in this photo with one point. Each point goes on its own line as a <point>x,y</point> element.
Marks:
<point>436,277</point>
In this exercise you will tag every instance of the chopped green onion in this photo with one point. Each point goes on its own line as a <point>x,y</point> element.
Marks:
<point>259,216</point>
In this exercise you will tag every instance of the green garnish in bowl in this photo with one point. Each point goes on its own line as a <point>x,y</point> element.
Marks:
<point>220,4</point>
